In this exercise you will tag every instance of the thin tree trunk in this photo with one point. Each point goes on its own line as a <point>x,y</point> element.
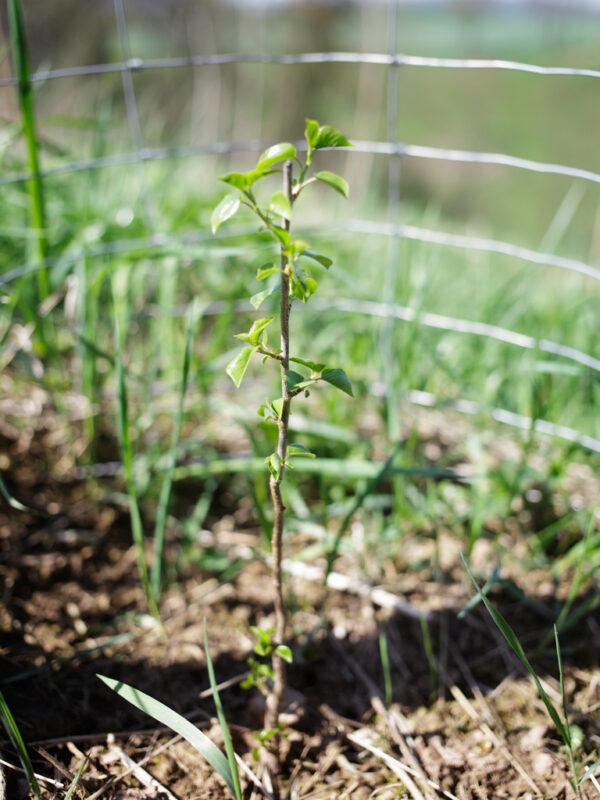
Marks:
<point>275,697</point>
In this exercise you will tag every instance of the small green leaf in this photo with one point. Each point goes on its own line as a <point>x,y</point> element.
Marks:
<point>278,406</point>
<point>300,450</point>
<point>297,247</point>
<point>265,270</point>
<point>324,261</point>
<point>253,335</point>
<point>278,152</point>
<point>339,379</point>
<point>238,366</point>
<point>302,286</point>
<point>273,462</point>
<point>258,299</point>
<point>226,209</point>
<point>244,180</point>
<point>279,204</point>
<point>292,379</point>
<point>263,635</point>
<point>311,132</point>
<point>331,137</point>
<point>335,181</point>
<point>282,235</point>
<point>312,365</point>
<point>284,651</point>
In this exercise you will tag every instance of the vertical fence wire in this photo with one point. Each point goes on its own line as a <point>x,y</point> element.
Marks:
<point>390,279</point>
<point>133,115</point>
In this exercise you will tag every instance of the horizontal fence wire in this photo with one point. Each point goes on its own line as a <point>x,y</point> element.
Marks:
<point>368,147</point>
<point>382,59</point>
<point>506,417</point>
<point>426,235</point>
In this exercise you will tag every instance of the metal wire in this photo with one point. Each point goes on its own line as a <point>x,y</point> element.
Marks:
<point>412,232</point>
<point>508,418</point>
<point>383,59</point>
<point>133,115</point>
<point>361,146</point>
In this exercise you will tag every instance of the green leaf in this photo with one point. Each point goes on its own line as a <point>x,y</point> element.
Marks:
<point>297,247</point>
<point>324,261</point>
<point>224,211</point>
<point>17,742</point>
<point>339,379</point>
<point>331,137</point>
<point>284,651</point>
<point>279,204</point>
<point>278,406</point>
<point>264,635</point>
<point>312,365</point>
<point>238,366</point>
<point>166,716</point>
<point>292,379</point>
<point>258,299</point>
<point>273,462</point>
<point>311,132</point>
<point>278,152</point>
<point>265,270</point>
<point>335,181</point>
<point>244,180</point>
<point>318,136</point>
<point>248,682</point>
<point>300,450</point>
<point>253,335</point>
<point>282,235</point>
<point>302,286</point>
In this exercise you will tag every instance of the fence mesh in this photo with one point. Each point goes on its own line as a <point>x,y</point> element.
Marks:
<point>396,152</point>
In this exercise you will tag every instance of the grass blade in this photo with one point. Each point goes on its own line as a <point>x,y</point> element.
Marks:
<point>513,641</point>
<point>17,742</point>
<point>24,87</point>
<point>165,491</point>
<point>137,530</point>
<point>166,716</point>
<point>385,664</point>
<point>76,779</point>
<point>222,720</point>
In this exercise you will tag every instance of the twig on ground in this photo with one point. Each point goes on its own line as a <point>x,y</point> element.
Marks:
<point>396,723</point>
<point>341,583</point>
<point>361,738</point>
<point>469,708</point>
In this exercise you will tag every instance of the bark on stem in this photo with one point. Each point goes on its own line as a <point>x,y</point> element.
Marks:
<point>275,697</point>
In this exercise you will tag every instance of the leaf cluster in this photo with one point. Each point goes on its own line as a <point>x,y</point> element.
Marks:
<point>261,673</point>
<point>295,253</point>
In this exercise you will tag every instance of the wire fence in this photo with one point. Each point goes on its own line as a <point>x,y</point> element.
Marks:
<point>396,152</point>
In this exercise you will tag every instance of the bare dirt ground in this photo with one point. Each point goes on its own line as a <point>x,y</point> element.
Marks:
<point>465,721</point>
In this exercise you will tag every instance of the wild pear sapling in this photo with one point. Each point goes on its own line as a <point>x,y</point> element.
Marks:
<point>293,282</point>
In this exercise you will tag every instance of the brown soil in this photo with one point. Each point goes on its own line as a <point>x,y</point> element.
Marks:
<point>466,721</point>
